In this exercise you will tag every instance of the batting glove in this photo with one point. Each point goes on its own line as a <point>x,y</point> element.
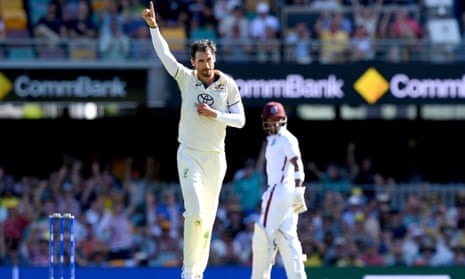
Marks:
<point>299,204</point>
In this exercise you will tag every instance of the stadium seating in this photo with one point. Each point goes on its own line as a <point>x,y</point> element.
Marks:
<point>82,53</point>
<point>176,36</point>
<point>51,53</point>
<point>15,19</point>
<point>21,53</point>
<point>178,40</point>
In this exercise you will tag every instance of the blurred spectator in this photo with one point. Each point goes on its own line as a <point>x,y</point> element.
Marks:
<point>15,224</point>
<point>394,256</point>
<point>412,242</point>
<point>412,214</point>
<point>334,43</point>
<point>244,240</point>
<point>445,242</point>
<point>358,231</point>
<point>99,218</point>
<point>269,48</point>
<point>265,30</point>
<point>141,48</point>
<point>331,224</point>
<point>131,11</point>
<point>408,29</point>
<point>149,211</point>
<point>172,13</point>
<point>205,31</point>
<point>234,22</point>
<point>171,209</point>
<point>9,195</point>
<point>82,27</point>
<point>235,219</point>
<point>224,8</point>
<point>405,26</point>
<point>456,213</point>
<point>367,16</point>
<point>200,13</point>
<point>169,247</point>
<point>370,254</point>
<point>233,29</point>
<point>362,46</point>
<point>120,230</point>
<point>66,201</point>
<point>225,251</point>
<point>37,247</point>
<point>144,245</point>
<point>299,44</point>
<point>147,177</point>
<point>336,249</point>
<point>112,19</point>
<point>372,224</point>
<point>327,18</point>
<point>50,26</point>
<point>393,224</point>
<point>90,251</point>
<point>459,255</point>
<point>426,254</point>
<point>237,49</point>
<point>10,254</point>
<point>392,50</point>
<point>263,19</point>
<point>114,45</point>
<point>314,254</point>
<point>248,185</point>
<point>332,179</point>
<point>353,212</point>
<point>98,258</point>
<point>363,174</point>
<point>351,256</point>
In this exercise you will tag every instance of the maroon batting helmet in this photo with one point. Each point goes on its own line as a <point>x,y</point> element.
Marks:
<point>273,109</point>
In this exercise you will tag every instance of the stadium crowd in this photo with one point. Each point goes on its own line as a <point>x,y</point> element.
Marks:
<point>324,31</point>
<point>126,216</point>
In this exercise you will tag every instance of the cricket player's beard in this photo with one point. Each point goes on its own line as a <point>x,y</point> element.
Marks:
<point>206,74</point>
<point>272,128</point>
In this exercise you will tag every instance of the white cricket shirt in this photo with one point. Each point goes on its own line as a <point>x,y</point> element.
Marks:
<point>280,149</point>
<point>199,132</point>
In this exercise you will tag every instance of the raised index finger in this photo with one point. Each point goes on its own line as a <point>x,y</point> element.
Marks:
<point>151,7</point>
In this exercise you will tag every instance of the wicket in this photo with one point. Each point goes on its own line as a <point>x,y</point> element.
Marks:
<point>61,218</point>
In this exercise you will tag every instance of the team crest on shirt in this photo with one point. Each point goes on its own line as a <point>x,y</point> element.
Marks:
<point>219,86</point>
<point>205,99</point>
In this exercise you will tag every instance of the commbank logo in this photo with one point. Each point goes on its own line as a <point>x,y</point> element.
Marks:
<point>5,86</point>
<point>371,85</point>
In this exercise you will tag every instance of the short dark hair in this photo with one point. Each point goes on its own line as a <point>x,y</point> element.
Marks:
<point>202,46</point>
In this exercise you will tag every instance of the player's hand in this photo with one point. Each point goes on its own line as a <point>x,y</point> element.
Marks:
<point>298,204</point>
<point>149,16</point>
<point>206,110</point>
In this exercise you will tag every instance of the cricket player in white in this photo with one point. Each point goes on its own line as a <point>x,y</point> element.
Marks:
<point>210,102</point>
<point>283,200</point>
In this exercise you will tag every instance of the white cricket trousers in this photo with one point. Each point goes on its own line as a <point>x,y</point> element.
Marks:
<point>279,225</point>
<point>201,175</point>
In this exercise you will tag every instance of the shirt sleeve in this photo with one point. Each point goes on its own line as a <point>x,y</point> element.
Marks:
<point>163,51</point>
<point>235,117</point>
